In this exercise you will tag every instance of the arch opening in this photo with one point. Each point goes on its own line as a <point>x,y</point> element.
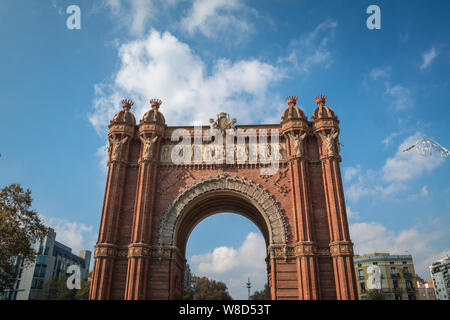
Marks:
<point>213,203</point>
<point>230,248</point>
<point>221,194</point>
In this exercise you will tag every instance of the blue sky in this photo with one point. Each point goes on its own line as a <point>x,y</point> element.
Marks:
<point>389,87</point>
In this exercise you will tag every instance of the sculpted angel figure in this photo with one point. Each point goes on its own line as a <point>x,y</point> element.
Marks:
<point>165,153</point>
<point>282,150</point>
<point>328,141</point>
<point>116,143</point>
<point>148,146</point>
<point>298,143</point>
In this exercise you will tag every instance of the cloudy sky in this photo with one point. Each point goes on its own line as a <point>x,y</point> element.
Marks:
<point>389,88</point>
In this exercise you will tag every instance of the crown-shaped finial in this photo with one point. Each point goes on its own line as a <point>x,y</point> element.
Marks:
<point>155,103</point>
<point>320,99</point>
<point>127,104</point>
<point>291,100</point>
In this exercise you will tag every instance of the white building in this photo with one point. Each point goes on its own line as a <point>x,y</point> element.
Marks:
<point>53,258</point>
<point>441,278</point>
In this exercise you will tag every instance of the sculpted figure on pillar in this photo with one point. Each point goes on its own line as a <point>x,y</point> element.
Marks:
<point>149,143</point>
<point>282,150</point>
<point>116,143</point>
<point>329,142</point>
<point>298,143</point>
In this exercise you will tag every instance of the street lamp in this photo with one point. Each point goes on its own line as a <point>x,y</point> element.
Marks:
<point>249,285</point>
<point>426,146</point>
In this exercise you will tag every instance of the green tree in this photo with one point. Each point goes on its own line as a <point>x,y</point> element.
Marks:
<point>375,294</point>
<point>20,226</point>
<point>83,293</point>
<point>207,289</point>
<point>56,289</point>
<point>261,295</point>
<point>188,294</point>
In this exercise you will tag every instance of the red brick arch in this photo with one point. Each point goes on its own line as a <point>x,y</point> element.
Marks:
<point>152,204</point>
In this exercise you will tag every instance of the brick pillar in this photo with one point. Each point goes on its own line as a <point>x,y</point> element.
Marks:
<point>306,252</point>
<point>341,247</point>
<point>120,135</point>
<point>139,250</point>
<point>138,261</point>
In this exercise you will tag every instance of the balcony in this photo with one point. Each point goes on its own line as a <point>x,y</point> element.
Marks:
<point>407,275</point>
<point>395,275</point>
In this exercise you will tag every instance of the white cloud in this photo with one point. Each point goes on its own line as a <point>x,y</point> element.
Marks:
<point>352,215</point>
<point>233,266</point>
<point>389,139</point>
<point>77,236</point>
<point>424,191</point>
<point>370,237</point>
<point>380,73</point>
<point>399,96</point>
<point>161,66</point>
<point>350,172</point>
<point>391,178</point>
<point>428,57</point>
<point>312,49</point>
<point>134,15</point>
<point>214,18</point>
<point>404,166</point>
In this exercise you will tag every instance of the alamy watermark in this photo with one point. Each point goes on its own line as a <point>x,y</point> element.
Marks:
<point>74,20</point>
<point>225,147</point>
<point>74,280</point>
<point>374,20</point>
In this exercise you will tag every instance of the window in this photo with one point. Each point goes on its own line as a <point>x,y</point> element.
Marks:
<point>391,262</point>
<point>411,297</point>
<point>375,263</point>
<point>409,285</point>
<point>393,272</point>
<point>398,297</point>
<point>405,271</point>
<point>395,283</point>
<point>361,274</point>
<point>363,287</point>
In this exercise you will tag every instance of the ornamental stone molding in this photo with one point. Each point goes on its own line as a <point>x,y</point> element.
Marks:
<point>263,201</point>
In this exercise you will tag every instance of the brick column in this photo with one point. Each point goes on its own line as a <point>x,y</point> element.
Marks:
<point>136,285</point>
<point>295,128</point>
<point>120,135</point>
<point>341,247</point>
<point>151,130</point>
<point>303,234</point>
<point>326,128</point>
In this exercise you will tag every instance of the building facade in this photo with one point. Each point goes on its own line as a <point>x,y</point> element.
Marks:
<point>152,202</point>
<point>394,275</point>
<point>441,279</point>
<point>425,289</point>
<point>53,259</point>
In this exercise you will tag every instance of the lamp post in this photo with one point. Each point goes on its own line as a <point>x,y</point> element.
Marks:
<point>426,146</point>
<point>249,285</point>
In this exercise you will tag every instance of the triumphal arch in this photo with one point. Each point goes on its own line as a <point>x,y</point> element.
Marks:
<point>163,180</point>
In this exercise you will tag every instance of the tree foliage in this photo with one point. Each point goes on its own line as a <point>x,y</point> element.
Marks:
<point>261,295</point>
<point>207,289</point>
<point>56,289</point>
<point>375,294</point>
<point>19,227</point>
<point>83,293</point>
